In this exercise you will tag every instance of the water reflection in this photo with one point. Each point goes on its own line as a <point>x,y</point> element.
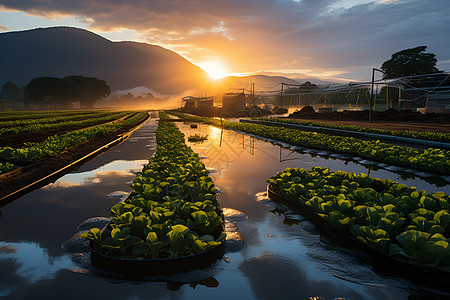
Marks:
<point>285,256</point>
<point>275,277</point>
<point>215,134</point>
<point>119,168</point>
<point>280,244</point>
<point>28,263</point>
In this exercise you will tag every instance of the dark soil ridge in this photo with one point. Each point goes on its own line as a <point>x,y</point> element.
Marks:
<point>388,115</point>
<point>18,140</point>
<point>14,181</point>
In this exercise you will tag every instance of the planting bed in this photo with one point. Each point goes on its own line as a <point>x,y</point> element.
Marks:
<point>433,159</point>
<point>286,257</point>
<point>403,229</point>
<point>17,134</point>
<point>421,135</point>
<point>170,222</point>
<point>39,160</point>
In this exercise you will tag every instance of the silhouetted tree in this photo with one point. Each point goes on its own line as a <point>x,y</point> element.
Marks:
<point>43,91</point>
<point>87,90</point>
<point>10,91</point>
<point>412,61</point>
<point>60,93</point>
<point>128,96</point>
<point>308,87</point>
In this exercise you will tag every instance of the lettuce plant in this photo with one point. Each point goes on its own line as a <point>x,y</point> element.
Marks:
<point>173,210</point>
<point>384,215</point>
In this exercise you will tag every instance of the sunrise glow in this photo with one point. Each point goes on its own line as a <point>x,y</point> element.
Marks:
<point>215,70</point>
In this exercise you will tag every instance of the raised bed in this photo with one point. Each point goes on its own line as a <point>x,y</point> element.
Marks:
<point>170,223</point>
<point>38,173</point>
<point>402,230</point>
<point>388,263</point>
<point>165,266</point>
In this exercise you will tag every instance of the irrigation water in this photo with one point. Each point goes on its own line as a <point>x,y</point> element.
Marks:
<point>285,256</point>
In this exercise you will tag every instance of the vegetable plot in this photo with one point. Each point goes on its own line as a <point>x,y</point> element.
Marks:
<point>53,145</point>
<point>53,123</point>
<point>197,138</point>
<point>387,216</point>
<point>28,115</point>
<point>172,211</point>
<point>6,167</point>
<point>430,136</point>
<point>433,160</point>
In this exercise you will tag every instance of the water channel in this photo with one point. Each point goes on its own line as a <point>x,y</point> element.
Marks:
<point>284,257</point>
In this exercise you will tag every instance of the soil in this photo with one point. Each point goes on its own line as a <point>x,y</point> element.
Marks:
<point>389,120</point>
<point>15,180</point>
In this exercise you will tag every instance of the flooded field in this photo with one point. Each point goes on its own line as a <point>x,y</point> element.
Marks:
<point>284,256</point>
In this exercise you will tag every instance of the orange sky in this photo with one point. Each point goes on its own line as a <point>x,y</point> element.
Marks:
<point>340,39</point>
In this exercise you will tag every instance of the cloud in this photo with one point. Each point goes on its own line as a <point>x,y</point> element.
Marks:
<point>4,28</point>
<point>252,35</point>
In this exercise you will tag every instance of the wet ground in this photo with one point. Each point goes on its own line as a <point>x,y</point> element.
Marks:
<point>284,256</point>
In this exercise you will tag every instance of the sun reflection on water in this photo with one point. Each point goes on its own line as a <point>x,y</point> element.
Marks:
<point>214,134</point>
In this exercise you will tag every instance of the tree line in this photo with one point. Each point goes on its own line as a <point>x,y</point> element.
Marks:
<point>58,93</point>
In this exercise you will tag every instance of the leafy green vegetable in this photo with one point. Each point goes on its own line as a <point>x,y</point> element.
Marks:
<point>173,210</point>
<point>433,159</point>
<point>384,215</point>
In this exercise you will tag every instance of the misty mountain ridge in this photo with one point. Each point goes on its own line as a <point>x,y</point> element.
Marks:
<point>65,51</point>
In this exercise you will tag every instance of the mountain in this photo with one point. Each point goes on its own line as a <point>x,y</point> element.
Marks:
<point>64,51</point>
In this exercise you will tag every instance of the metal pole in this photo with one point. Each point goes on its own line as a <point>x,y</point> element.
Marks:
<point>371,96</point>
<point>253,94</point>
<point>282,85</point>
<point>371,92</point>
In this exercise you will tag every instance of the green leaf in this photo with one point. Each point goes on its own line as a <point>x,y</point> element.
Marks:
<point>141,250</point>
<point>207,238</point>
<point>176,240</point>
<point>442,218</point>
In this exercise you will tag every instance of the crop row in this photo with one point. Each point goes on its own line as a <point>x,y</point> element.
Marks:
<point>384,215</point>
<point>172,211</point>
<point>53,145</point>
<point>23,115</point>
<point>431,136</point>
<point>434,160</point>
<point>6,167</point>
<point>36,127</point>
<point>53,119</point>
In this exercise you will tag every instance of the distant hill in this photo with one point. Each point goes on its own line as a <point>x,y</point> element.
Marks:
<point>63,51</point>
<point>262,82</point>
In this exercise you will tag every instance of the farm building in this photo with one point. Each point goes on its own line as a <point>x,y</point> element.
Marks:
<point>233,101</point>
<point>195,102</point>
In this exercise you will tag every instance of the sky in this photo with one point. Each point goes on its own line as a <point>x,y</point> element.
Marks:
<point>327,39</point>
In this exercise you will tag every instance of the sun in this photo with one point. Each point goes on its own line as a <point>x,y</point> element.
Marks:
<point>215,70</point>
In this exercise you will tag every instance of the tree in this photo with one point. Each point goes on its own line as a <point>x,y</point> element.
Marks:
<point>408,62</point>
<point>60,93</point>
<point>10,91</point>
<point>44,91</point>
<point>87,90</point>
